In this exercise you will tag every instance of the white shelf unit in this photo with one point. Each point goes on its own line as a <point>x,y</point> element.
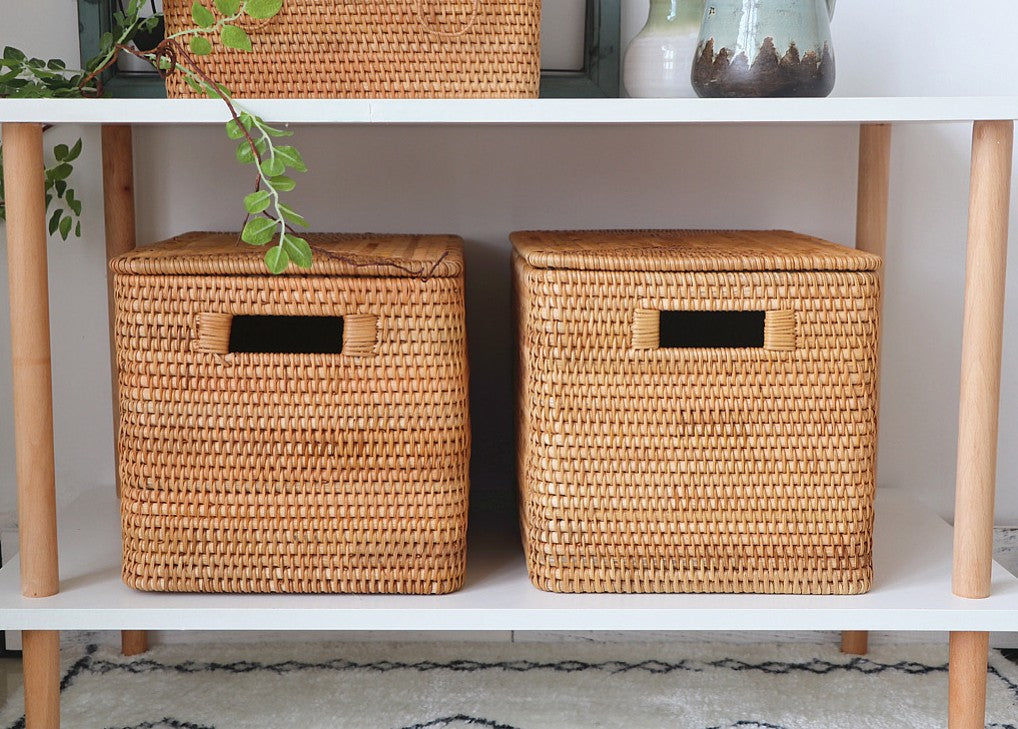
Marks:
<point>911,592</point>
<point>872,110</point>
<point>913,587</point>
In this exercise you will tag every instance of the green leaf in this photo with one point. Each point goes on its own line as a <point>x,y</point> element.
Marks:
<point>65,227</point>
<point>55,64</point>
<point>233,130</point>
<point>298,250</point>
<point>258,231</point>
<point>14,54</point>
<point>54,221</point>
<point>246,120</point>
<point>61,187</point>
<point>200,46</point>
<point>257,201</point>
<point>228,7</point>
<point>262,9</point>
<point>61,172</point>
<point>291,158</point>
<point>201,15</point>
<point>277,259</point>
<point>272,167</point>
<point>234,37</point>
<point>75,204</point>
<point>292,216</point>
<point>282,183</point>
<point>272,132</point>
<point>245,155</point>
<point>105,42</point>
<point>75,151</point>
<point>61,151</point>
<point>77,229</point>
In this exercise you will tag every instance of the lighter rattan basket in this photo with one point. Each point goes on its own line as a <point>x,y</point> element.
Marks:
<point>259,471</point>
<point>378,48</point>
<point>664,449</point>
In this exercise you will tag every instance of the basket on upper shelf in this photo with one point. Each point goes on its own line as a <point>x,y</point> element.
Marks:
<point>379,48</point>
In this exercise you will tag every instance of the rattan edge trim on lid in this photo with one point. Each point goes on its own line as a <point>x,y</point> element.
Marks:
<point>687,250</point>
<point>360,255</point>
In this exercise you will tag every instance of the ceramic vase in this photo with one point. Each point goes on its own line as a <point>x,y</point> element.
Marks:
<point>659,59</point>
<point>749,48</point>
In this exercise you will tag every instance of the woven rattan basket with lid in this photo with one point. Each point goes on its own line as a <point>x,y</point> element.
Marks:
<point>696,411</point>
<point>248,465</point>
<point>379,48</point>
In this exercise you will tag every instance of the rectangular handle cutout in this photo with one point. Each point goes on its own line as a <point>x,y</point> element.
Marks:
<point>286,334</point>
<point>221,333</point>
<point>772,330</point>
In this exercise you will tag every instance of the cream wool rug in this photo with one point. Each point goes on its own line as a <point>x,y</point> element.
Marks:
<point>516,686</point>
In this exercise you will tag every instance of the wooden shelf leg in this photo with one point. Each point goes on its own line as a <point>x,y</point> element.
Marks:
<point>871,236</point>
<point>989,210</point>
<point>30,350</point>
<point>118,203</point>
<point>855,642</point>
<point>133,642</point>
<point>969,656</point>
<point>33,409</point>
<point>41,658</point>
<point>989,213</point>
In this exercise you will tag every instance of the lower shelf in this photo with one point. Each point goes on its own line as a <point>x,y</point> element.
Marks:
<point>912,592</point>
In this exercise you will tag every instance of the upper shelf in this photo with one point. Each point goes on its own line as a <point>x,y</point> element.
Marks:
<point>517,111</point>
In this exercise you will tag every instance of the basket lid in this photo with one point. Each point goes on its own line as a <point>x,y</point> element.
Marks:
<point>335,254</point>
<point>687,250</point>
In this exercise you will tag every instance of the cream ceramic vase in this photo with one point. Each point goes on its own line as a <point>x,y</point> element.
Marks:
<point>658,60</point>
<point>753,48</point>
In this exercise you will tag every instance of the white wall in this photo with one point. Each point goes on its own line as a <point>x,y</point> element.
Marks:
<point>484,182</point>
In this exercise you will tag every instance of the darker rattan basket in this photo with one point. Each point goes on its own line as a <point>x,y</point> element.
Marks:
<point>298,433</point>
<point>379,48</point>
<point>696,411</point>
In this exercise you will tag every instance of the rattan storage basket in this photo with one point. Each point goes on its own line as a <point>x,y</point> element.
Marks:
<point>379,48</point>
<point>696,411</point>
<point>342,468</point>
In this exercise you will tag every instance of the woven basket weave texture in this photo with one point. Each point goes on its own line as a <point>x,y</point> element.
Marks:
<point>378,48</point>
<point>272,472</point>
<point>645,468</point>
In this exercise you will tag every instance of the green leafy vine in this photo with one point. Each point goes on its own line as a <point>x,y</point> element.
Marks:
<point>268,217</point>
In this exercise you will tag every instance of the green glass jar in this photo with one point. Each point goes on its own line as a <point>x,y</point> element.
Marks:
<point>750,48</point>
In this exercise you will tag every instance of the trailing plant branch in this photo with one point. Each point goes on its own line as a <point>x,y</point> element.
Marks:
<point>268,219</point>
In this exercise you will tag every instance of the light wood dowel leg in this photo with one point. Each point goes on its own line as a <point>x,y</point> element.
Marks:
<point>41,658</point>
<point>133,642</point>
<point>871,236</point>
<point>989,210</point>
<point>855,642</point>
<point>969,655</point>
<point>118,205</point>
<point>30,350</point>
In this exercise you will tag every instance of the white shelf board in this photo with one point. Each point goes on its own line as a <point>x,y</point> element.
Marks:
<point>516,111</point>
<point>912,592</point>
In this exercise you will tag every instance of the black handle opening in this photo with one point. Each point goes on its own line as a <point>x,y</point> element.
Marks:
<point>711,329</point>
<point>287,334</point>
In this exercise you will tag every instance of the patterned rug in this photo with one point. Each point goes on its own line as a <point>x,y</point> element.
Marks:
<point>515,686</point>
